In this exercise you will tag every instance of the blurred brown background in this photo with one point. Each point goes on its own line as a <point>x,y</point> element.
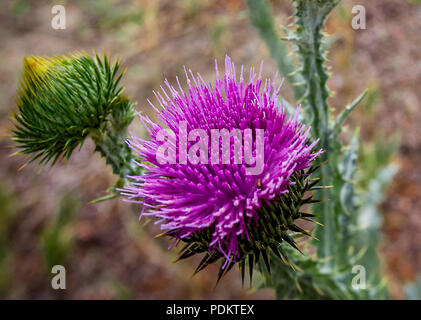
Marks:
<point>46,217</point>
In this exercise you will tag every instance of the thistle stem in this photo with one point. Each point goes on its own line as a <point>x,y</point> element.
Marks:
<point>110,140</point>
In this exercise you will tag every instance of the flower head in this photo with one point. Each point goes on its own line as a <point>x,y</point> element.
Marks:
<point>227,198</point>
<point>64,99</point>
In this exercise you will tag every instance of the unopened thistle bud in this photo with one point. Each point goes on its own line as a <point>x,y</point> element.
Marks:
<point>61,100</point>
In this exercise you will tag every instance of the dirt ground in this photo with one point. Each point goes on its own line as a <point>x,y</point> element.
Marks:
<point>108,252</point>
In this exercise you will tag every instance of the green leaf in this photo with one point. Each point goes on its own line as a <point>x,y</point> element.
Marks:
<point>345,113</point>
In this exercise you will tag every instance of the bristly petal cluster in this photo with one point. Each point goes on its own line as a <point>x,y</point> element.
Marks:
<point>221,199</point>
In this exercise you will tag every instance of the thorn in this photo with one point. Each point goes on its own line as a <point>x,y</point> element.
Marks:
<point>160,235</point>
<point>313,221</point>
<point>266,260</point>
<point>251,266</point>
<point>321,187</point>
<point>314,237</point>
<point>242,267</point>
<point>291,242</point>
<point>14,154</point>
<point>23,166</point>
<point>222,272</point>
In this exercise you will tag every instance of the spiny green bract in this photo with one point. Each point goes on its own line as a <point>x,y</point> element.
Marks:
<point>63,99</point>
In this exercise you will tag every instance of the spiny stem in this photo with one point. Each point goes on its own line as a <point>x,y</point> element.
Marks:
<point>262,19</point>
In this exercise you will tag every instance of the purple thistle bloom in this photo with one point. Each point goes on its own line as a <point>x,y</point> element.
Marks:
<point>221,197</point>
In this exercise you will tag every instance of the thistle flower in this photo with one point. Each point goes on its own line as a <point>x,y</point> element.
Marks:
<point>227,202</point>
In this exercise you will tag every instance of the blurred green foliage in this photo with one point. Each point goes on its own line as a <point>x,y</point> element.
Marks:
<point>413,290</point>
<point>57,238</point>
<point>8,213</point>
<point>120,291</point>
<point>112,15</point>
<point>20,8</point>
<point>217,32</point>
